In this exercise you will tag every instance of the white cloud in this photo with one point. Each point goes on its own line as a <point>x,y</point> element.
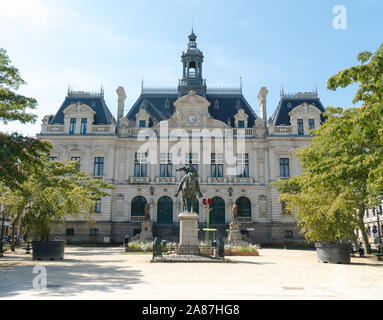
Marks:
<point>31,13</point>
<point>34,15</point>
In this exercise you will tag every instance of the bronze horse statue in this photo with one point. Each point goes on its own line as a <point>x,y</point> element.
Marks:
<point>189,187</point>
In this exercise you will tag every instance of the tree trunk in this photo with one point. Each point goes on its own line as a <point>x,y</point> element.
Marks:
<point>366,243</point>
<point>13,238</point>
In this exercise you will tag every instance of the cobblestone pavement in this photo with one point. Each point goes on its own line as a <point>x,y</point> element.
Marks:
<point>107,273</point>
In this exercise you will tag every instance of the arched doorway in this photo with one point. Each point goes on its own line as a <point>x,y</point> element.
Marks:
<point>217,211</point>
<point>138,207</point>
<point>165,210</point>
<point>244,208</point>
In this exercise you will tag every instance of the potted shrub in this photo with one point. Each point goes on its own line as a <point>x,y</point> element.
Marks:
<point>47,198</point>
<point>323,216</point>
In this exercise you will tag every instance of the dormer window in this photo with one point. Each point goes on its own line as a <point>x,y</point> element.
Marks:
<point>84,122</point>
<point>300,127</point>
<point>142,124</point>
<point>241,119</point>
<point>167,104</point>
<point>72,128</point>
<point>311,124</point>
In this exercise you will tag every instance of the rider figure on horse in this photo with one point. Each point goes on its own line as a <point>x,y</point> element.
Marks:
<point>189,170</point>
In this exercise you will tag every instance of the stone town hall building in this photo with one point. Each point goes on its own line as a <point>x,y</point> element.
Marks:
<point>237,153</point>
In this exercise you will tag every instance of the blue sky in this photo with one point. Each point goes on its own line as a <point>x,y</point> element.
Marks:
<point>276,43</point>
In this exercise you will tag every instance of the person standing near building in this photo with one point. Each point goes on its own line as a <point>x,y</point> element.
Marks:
<point>126,242</point>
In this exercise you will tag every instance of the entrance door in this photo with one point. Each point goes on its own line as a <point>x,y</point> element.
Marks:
<point>217,211</point>
<point>165,210</point>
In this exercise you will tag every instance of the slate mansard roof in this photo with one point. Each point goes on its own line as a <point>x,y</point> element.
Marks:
<point>224,105</point>
<point>288,102</point>
<point>94,100</point>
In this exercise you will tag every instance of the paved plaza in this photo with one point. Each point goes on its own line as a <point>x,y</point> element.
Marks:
<point>107,273</point>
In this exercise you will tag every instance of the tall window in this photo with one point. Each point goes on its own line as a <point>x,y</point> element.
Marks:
<point>76,159</point>
<point>99,166</point>
<point>242,165</point>
<point>285,167</point>
<point>52,158</point>
<point>72,128</point>
<point>83,125</point>
<point>194,158</point>
<point>138,206</point>
<point>300,127</point>
<point>244,207</point>
<point>93,232</point>
<point>140,164</point>
<point>311,124</point>
<point>217,165</point>
<point>166,167</point>
<point>97,207</point>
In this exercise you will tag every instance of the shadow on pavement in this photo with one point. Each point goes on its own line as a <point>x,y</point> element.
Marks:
<point>67,278</point>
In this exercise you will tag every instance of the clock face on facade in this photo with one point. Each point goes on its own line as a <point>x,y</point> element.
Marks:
<point>192,118</point>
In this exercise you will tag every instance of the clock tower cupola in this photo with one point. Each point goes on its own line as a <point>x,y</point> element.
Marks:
<point>192,59</point>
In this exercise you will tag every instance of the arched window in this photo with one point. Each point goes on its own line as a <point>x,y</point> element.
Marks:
<point>165,210</point>
<point>138,206</point>
<point>217,212</point>
<point>244,207</point>
<point>192,69</point>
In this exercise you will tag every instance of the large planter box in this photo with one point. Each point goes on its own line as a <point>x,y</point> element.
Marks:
<point>334,252</point>
<point>48,250</point>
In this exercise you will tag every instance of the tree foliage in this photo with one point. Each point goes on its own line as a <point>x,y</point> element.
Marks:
<point>342,167</point>
<point>19,155</point>
<point>48,197</point>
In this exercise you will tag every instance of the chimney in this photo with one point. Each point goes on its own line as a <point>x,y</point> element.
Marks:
<point>262,103</point>
<point>121,102</point>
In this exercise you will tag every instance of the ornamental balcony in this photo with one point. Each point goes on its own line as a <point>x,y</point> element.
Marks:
<point>139,180</point>
<point>218,180</point>
<point>165,180</point>
<point>137,218</point>
<point>283,130</point>
<point>243,181</point>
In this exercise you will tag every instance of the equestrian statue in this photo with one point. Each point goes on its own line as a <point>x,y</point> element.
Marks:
<point>189,186</point>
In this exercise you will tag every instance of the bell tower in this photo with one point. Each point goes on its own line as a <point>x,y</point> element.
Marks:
<point>192,59</point>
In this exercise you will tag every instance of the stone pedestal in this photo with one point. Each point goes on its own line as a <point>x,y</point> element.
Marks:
<point>188,233</point>
<point>235,232</point>
<point>146,231</point>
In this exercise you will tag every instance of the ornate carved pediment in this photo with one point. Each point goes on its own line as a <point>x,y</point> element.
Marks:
<point>74,148</point>
<point>305,108</point>
<point>192,99</point>
<point>78,108</point>
<point>241,115</point>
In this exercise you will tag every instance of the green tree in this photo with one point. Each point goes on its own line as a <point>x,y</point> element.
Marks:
<point>48,197</point>
<point>342,167</point>
<point>19,155</point>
